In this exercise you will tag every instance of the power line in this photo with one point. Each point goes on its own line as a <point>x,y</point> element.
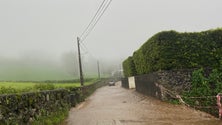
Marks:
<point>96,21</point>
<point>93,18</point>
<point>101,10</point>
<point>104,8</point>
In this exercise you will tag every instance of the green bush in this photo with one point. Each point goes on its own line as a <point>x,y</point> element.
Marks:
<point>5,90</point>
<point>129,67</point>
<point>44,86</point>
<point>200,85</point>
<point>54,118</point>
<point>205,86</point>
<point>172,50</point>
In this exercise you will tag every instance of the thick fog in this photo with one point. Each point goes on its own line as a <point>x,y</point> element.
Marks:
<point>38,37</point>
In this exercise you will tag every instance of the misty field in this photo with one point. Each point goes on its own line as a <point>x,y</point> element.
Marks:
<point>19,87</point>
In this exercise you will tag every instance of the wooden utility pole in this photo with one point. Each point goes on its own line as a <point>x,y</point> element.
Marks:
<point>98,69</point>
<point>80,63</point>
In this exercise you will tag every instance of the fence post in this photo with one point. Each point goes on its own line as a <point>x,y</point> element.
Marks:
<point>219,104</point>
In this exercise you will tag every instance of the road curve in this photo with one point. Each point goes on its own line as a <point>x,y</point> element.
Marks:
<point>113,105</point>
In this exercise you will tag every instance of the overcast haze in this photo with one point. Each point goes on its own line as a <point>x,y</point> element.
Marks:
<point>49,28</point>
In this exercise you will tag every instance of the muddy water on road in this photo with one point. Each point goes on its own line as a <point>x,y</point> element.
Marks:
<point>117,106</point>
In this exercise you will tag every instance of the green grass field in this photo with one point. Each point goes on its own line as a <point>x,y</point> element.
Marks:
<point>23,85</point>
<point>19,87</point>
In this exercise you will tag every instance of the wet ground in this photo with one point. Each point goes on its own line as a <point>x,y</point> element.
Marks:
<point>113,105</point>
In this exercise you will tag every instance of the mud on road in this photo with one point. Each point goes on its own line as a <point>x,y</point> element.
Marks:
<point>113,105</point>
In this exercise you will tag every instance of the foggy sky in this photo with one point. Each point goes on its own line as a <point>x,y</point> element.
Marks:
<point>49,27</point>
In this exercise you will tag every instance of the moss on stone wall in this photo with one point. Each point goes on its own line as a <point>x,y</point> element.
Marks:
<point>25,108</point>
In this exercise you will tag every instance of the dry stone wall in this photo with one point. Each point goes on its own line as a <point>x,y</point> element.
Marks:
<point>163,84</point>
<point>23,108</point>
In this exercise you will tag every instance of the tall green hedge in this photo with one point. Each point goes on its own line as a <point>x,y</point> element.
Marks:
<point>172,50</point>
<point>129,67</point>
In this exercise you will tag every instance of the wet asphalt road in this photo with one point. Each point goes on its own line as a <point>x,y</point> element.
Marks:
<point>113,105</point>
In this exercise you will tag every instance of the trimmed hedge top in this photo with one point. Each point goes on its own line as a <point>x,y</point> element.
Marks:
<point>172,50</point>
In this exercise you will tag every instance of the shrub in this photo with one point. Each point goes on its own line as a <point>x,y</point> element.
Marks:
<point>5,90</point>
<point>53,119</point>
<point>203,89</point>
<point>129,67</point>
<point>44,86</point>
<point>172,50</point>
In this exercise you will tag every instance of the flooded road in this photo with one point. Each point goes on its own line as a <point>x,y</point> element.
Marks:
<point>113,105</point>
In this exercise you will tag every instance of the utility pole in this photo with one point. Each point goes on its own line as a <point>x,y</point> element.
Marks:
<point>80,63</point>
<point>98,69</point>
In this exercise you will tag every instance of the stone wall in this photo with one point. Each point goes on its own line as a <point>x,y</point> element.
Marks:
<point>146,84</point>
<point>25,107</point>
<point>125,83</point>
<point>175,80</point>
<point>163,84</point>
<point>169,85</point>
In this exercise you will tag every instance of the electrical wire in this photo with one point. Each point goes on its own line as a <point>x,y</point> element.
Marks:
<point>89,31</point>
<point>92,20</point>
<point>103,8</point>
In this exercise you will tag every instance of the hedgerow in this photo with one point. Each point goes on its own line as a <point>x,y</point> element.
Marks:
<point>129,67</point>
<point>173,50</point>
